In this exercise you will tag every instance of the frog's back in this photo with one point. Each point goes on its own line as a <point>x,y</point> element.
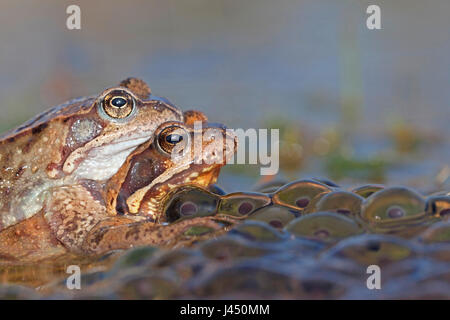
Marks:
<point>62,110</point>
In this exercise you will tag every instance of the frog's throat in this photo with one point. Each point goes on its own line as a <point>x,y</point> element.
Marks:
<point>101,160</point>
<point>135,200</point>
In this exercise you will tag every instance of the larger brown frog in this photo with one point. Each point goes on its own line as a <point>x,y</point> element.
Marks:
<point>54,171</point>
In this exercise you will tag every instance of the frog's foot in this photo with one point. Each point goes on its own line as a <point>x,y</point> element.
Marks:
<point>78,218</point>
<point>72,212</point>
<point>113,234</point>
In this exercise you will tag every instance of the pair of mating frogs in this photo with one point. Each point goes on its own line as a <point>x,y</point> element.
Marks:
<point>89,176</point>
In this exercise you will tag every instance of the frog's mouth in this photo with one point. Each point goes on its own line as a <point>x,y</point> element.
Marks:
<point>199,174</point>
<point>151,196</point>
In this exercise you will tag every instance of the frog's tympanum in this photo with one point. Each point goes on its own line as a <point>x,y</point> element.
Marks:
<point>86,176</point>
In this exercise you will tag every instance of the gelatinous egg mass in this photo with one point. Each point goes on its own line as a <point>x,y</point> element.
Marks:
<point>189,202</point>
<point>298,194</point>
<point>342,202</point>
<point>372,249</point>
<point>392,207</point>
<point>326,226</point>
<point>242,203</point>
<point>367,190</point>
<point>277,217</point>
<point>309,239</point>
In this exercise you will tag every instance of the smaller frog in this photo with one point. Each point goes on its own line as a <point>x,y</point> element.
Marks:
<point>181,153</point>
<point>138,190</point>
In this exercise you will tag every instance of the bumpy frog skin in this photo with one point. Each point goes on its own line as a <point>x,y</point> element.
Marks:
<point>55,171</point>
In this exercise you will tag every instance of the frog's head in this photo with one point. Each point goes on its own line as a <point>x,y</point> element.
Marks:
<point>101,136</point>
<point>190,152</point>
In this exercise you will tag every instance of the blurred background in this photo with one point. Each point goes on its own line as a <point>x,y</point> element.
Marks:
<point>353,105</point>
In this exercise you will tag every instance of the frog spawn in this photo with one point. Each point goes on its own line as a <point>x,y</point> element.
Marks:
<point>271,248</point>
<point>298,194</point>
<point>332,214</point>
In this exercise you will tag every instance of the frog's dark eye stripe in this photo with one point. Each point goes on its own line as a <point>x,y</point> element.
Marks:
<point>118,104</point>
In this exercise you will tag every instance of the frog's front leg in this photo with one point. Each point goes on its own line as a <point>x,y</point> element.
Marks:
<point>115,233</point>
<point>72,212</point>
<point>78,218</point>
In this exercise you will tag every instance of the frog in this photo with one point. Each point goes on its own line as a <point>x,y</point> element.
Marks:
<point>65,156</point>
<point>137,193</point>
<point>153,170</point>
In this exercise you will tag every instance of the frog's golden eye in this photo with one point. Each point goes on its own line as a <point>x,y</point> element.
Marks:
<point>173,138</point>
<point>118,104</point>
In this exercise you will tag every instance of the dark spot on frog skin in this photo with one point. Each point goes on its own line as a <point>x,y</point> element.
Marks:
<point>99,234</point>
<point>12,139</point>
<point>71,226</point>
<point>20,171</point>
<point>7,191</point>
<point>134,231</point>
<point>51,166</point>
<point>34,121</point>
<point>28,145</point>
<point>39,128</point>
